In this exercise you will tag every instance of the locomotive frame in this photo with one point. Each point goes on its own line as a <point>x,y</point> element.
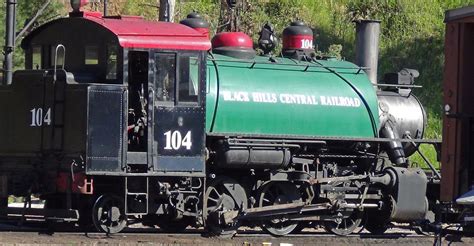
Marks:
<point>129,149</point>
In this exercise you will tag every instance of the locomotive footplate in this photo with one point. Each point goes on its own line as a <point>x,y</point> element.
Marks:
<point>66,215</point>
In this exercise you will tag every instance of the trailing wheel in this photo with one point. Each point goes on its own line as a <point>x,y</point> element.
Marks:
<point>167,223</point>
<point>173,225</point>
<point>276,193</point>
<point>108,214</point>
<point>344,226</point>
<point>223,194</point>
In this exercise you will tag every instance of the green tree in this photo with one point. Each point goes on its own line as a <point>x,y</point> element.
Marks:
<point>25,11</point>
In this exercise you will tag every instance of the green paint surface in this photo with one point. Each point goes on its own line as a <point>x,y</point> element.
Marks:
<point>324,98</point>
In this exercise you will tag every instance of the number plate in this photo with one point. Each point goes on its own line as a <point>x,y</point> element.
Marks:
<point>39,118</point>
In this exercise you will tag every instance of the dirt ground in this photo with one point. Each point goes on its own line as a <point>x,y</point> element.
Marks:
<point>34,238</point>
<point>37,234</point>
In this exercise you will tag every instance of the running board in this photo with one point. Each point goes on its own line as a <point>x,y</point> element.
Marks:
<point>40,213</point>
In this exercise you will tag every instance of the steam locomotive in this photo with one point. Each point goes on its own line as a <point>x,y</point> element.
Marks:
<point>117,120</point>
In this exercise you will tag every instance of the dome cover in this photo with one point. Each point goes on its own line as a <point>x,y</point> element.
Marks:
<point>234,44</point>
<point>298,40</point>
<point>195,21</point>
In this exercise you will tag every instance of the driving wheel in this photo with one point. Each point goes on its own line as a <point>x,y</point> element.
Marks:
<point>276,193</point>
<point>223,195</point>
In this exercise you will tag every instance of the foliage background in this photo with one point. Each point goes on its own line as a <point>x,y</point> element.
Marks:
<point>412,31</point>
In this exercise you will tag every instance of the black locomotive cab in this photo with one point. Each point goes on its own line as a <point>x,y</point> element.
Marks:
<point>154,92</point>
<point>121,95</point>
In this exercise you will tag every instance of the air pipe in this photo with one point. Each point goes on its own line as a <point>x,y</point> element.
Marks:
<point>396,153</point>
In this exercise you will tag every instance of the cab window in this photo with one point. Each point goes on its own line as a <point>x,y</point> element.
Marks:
<point>37,62</point>
<point>165,67</point>
<point>188,79</point>
<point>111,72</point>
<point>91,55</point>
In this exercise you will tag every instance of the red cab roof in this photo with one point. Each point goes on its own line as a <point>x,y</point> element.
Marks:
<point>135,32</point>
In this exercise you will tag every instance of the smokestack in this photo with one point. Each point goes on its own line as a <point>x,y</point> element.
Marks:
<point>367,46</point>
<point>9,41</point>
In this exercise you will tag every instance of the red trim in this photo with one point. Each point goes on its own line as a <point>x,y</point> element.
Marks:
<point>172,43</point>
<point>295,41</point>
<point>204,31</point>
<point>87,14</point>
<point>81,184</point>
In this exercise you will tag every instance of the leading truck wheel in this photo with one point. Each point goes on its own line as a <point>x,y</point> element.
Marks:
<point>108,214</point>
<point>276,193</point>
<point>378,221</point>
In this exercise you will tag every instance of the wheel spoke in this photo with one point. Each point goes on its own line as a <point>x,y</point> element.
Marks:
<point>212,199</point>
<point>279,193</point>
<point>212,208</point>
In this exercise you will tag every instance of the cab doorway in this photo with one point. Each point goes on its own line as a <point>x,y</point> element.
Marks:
<point>137,100</point>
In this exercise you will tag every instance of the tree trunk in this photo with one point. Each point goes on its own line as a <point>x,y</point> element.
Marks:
<point>167,10</point>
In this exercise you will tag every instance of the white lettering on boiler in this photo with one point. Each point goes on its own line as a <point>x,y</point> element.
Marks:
<point>237,96</point>
<point>340,101</point>
<point>297,99</point>
<point>264,97</point>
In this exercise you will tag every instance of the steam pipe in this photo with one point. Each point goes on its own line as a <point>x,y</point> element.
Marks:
<point>396,153</point>
<point>9,41</point>
<point>367,46</point>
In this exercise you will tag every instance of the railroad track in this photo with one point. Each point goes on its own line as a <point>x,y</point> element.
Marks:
<point>36,232</point>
